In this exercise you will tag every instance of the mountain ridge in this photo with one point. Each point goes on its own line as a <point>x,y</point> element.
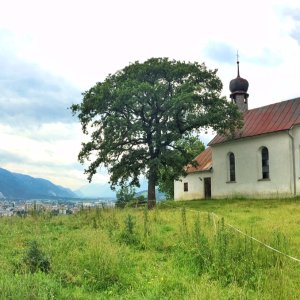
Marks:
<point>20,186</point>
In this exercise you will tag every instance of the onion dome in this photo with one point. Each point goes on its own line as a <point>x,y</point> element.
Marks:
<point>239,84</point>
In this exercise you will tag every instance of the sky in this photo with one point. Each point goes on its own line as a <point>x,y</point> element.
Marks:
<point>52,51</point>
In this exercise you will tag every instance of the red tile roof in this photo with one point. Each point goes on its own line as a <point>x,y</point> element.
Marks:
<point>204,160</point>
<point>271,118</point>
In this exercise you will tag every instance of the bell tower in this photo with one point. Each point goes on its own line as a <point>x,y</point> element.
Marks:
<point>238,88</point>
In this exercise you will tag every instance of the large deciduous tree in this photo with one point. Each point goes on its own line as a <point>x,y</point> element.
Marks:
<point>135,117</point>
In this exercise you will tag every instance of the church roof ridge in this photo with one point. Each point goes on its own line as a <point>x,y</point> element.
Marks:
<point>270,118</point>
<point>275,103</point>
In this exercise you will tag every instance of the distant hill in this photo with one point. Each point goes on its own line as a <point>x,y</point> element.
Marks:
<point>96,190</point>
<point>20,186</point>
<point>159,195</point>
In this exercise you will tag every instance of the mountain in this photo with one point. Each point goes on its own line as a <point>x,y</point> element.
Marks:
<point>159,195</point>
<point>20,186</point>
<point>96,190</point>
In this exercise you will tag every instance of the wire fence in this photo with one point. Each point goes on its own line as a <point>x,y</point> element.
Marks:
<point>214,215</point>
<point>237,230</point>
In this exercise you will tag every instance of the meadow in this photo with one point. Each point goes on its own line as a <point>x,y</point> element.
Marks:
<point>180,250</point>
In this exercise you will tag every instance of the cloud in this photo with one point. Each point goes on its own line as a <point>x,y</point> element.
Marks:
<point>38,134</point>
<point>296,34</point>
<point>29,94</point>
<point>18,158</point>
<point>69,174</point>
<point>220,52</point>
<point>48,151</point>
<point>8,156</point>
<point>38,130</point>
<point>265,57</point>
<point>292,18</point>
<point>293,13</point>
<point>53,132</point>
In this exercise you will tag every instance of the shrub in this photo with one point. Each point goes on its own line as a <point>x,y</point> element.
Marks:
<point>128,235</point>
<point>35,259</point>
<point>124,195</point>
<point>137,201</point>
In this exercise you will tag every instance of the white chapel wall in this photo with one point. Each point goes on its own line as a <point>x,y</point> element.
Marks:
<point>296,134</point>
<point>195,183</point>
<point>248,167</point>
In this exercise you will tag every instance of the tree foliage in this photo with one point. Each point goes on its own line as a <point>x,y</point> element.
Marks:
<point>167,174</point>
<point>124,195</point>
<point>135,117</point>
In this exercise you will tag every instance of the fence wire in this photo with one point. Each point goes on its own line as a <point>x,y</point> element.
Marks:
<point>239,231</point>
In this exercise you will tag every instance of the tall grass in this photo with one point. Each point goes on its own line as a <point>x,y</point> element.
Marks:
<point>160,254</point>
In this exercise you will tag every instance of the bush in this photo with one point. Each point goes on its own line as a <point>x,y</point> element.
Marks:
<point>35,259</point>
<point>136,202</point>
<point>124,195</point>
<point>128,235</point>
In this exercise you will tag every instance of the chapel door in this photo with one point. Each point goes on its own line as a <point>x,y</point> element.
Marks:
<point>207,187</point>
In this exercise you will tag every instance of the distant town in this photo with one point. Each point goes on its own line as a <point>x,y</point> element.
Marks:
<point>21,208</point>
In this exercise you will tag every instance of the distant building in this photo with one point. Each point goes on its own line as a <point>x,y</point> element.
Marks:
<point>261,160</point>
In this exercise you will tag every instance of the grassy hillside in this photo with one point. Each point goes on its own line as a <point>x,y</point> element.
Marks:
<point>167,253</point>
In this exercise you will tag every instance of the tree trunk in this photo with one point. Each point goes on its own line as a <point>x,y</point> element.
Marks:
<point>151,190</point>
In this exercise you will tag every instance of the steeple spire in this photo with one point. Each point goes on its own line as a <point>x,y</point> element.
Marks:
<point>238,88</point>
<point>238,63</point>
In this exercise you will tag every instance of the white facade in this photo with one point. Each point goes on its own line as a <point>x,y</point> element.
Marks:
<point>194,188</point>
<point>283,167</point>
<point>248,167</point>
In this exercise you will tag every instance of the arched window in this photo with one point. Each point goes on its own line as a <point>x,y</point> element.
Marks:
<point>265,163</point>
<point>231,167</point>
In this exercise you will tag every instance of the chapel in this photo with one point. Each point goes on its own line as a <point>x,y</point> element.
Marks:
<point>261,160</point>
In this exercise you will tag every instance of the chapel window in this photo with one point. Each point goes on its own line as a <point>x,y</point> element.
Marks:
<point>231,166</point>
<point>265,163</point>
<point>185,187</point>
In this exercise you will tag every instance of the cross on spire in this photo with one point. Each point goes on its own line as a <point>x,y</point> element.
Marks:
<point>238,63</point>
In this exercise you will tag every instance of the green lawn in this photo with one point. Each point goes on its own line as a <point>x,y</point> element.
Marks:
<point>177,251</point>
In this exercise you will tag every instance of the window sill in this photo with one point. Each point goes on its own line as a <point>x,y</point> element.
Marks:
<point>230,181</point>
<point>264,179</point>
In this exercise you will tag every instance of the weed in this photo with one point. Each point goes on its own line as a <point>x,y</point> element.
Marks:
<point>203,252</point>
<point>279,242</point>
<point>112,223</point>
<point>146,223</point>
<point>128,235</point>
<point>35,259</point>
<point>95,225</point>
<point>184,222</point>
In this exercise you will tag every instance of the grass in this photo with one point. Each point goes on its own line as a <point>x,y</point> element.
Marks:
<point>177,251</point>
<point>262,217</point>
